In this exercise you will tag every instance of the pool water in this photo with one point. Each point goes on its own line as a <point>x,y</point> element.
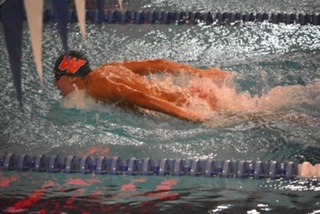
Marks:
<point>276,87</point>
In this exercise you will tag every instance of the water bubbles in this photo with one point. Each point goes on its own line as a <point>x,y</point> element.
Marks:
<point>221,208</point>
<point>254,211</point>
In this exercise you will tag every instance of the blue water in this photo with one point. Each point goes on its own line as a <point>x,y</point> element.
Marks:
<point>261,56</point>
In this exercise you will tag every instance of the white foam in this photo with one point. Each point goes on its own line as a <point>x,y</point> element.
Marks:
<point>78,99</point>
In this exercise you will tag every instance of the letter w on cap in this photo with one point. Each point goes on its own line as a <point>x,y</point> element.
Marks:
<point>71,65</point>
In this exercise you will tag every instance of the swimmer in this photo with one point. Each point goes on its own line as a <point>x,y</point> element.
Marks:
<point>127,84</point>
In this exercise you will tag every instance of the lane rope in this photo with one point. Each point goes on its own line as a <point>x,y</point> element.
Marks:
<point>162,17</point>
<point>148,166</point>
<point>179,18</point>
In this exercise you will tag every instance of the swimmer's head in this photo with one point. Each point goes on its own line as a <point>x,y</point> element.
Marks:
<point>75,64</point>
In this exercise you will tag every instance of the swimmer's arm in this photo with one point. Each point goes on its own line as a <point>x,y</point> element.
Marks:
<point>165,66</point>
<point>153,103</point>
<point>147,67</point>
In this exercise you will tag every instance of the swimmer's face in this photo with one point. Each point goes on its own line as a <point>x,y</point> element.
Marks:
<point>64,83</point>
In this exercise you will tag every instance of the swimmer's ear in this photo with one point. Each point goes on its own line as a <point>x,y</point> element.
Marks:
<point>78,81</point>
<point>74,79</point>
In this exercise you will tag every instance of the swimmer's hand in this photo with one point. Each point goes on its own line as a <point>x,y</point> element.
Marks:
<point>194,116</point>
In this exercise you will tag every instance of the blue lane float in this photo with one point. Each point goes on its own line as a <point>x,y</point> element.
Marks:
<point>148,166</point>
<point>163,17</point>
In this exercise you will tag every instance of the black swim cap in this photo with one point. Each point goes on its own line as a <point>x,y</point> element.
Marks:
<point>74,64</point>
